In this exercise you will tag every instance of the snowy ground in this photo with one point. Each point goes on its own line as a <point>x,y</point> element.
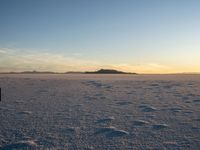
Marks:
<point>92,112</point>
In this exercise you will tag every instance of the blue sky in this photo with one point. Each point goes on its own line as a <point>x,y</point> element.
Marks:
<point>145,36</point>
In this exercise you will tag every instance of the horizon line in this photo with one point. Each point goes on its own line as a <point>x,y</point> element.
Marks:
<point>83,72</point>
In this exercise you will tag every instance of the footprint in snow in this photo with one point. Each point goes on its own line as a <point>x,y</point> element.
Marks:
<point>159,126</point>
<point>140,122</point>
<point>175,109</point>
<point>111,132</point>
<point>196,101</point>
<point>106,120</point>
<point>146,108</point>
<point>29,144</point>
<point>25,113</point>
<point>69,130</point>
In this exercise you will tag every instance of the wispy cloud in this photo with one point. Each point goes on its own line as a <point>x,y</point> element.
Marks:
<point>6,51</point>
<point>12,60</point>
<point>2,51</point>
<point>141,68</point>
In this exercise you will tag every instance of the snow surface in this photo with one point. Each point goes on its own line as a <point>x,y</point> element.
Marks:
<point>94,112</point>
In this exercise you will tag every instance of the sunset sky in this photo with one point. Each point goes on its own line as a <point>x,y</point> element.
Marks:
<point>143,36</point>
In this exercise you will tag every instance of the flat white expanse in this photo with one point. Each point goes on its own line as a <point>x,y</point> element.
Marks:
<point>92,112</point>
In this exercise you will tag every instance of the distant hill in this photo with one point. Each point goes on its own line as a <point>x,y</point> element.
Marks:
<point>38,72</point>
<point>108,71</point>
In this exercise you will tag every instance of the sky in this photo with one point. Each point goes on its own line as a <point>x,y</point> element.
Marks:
<point>143,36</point>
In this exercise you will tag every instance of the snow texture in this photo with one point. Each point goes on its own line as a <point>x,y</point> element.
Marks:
<point>100,112</point>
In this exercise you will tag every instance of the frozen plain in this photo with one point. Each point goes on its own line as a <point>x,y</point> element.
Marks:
<point>100,112</point>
